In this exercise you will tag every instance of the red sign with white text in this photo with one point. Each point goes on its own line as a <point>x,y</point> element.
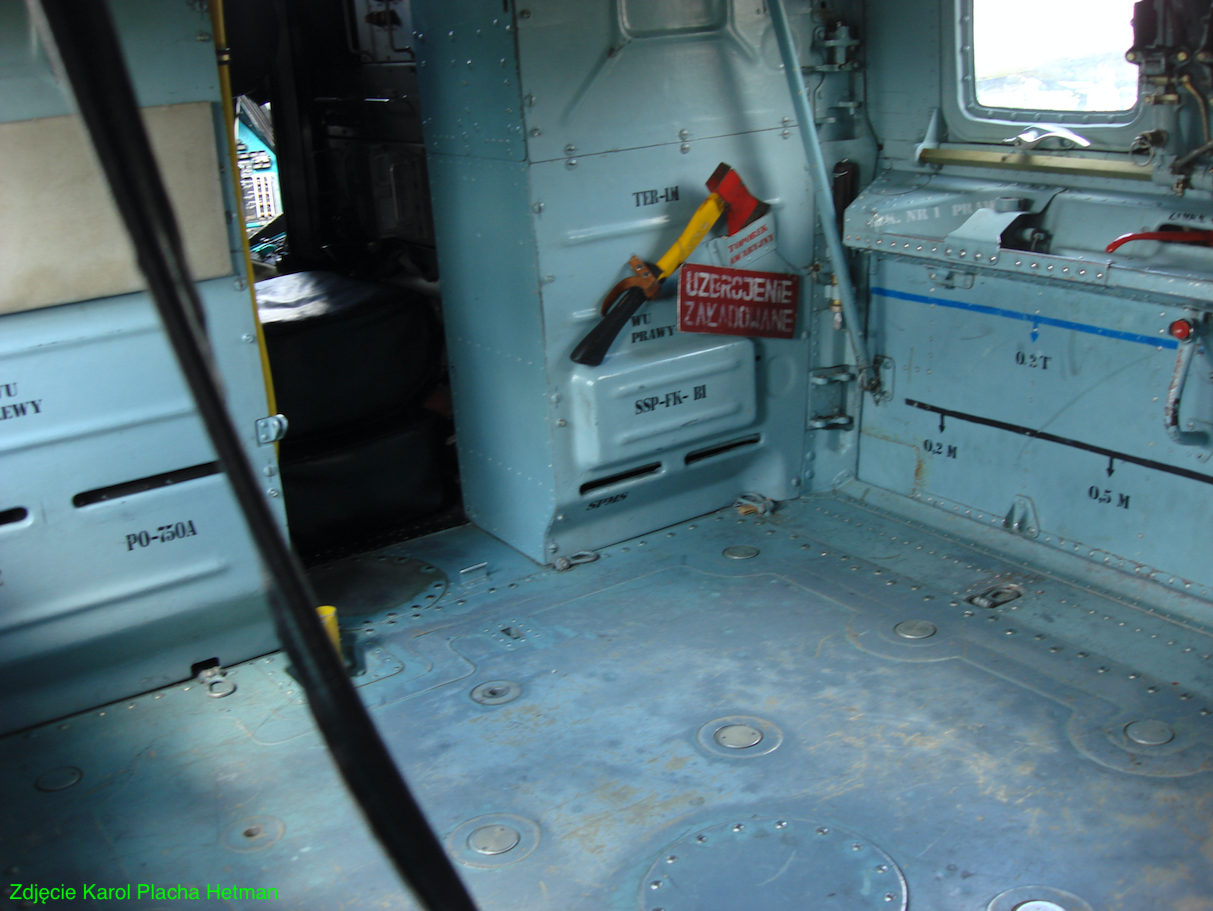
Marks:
<point>737,301</point>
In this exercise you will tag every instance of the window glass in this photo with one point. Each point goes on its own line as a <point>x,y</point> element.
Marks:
<point>1054,55</point>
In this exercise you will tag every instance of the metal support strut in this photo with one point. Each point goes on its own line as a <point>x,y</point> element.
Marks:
<point>80,38</point>
<point>869,379</point>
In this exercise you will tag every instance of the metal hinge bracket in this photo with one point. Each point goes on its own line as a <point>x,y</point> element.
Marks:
<point>1021,518</point>
<point>831,422</point>
<point>271,429</point>
<point>825,375</point>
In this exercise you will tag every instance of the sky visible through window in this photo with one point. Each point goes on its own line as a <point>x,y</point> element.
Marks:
<point>1054,55</point>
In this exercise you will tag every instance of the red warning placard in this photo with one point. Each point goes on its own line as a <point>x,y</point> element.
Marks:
<point>737,301</point>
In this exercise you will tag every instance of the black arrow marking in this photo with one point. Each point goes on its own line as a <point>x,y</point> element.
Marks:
<point>941,423</point>
<point>1110,468</point>
<point>1064,441</point>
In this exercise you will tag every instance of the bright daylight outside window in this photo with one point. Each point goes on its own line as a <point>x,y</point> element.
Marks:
<point>1054,55</point>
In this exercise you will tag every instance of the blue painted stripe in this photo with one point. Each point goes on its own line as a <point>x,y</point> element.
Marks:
<point>1163,342</point>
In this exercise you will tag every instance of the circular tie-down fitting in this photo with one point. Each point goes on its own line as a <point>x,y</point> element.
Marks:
<point>496,692</point>
<point>931,639</point>
<point>739,736</point>
<point>1149,733</point>
<point>59,779</point>
<point>495,840</point>
<point>253,833</point>
<point>915,629</point>
<point>1037,898</point>
<point>740,552</point>
<point>218,687</point>
<point>772,864</point>
<point>1118,740</point>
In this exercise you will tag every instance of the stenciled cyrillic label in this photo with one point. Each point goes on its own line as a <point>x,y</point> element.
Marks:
<point>737,301</point>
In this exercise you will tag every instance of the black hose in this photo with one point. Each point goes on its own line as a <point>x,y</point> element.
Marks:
<point>81,34</point>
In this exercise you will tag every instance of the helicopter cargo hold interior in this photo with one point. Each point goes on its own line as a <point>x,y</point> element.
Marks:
<point>758,452</point>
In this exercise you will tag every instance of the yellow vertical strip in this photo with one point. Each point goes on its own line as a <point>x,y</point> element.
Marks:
<point>223,56</point>
<point>328,617</point>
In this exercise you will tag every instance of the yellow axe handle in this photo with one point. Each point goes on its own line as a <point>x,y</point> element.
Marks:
<point>696,230</point>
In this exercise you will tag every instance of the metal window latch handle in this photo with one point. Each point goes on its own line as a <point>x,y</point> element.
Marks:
<point>1188,333</point>
<point>1038,133</point>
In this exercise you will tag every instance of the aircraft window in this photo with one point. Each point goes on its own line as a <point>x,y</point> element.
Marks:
<point>1054,55</point>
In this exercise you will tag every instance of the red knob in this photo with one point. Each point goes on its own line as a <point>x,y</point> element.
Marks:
<point>1181,329</point>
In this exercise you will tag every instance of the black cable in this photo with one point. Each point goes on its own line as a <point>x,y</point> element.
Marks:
<point>81,34</point>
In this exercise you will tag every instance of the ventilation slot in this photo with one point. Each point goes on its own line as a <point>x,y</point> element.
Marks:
<point>622,476</point>
<point>9,516</point>
<point>142,485</point>
<point>720,449</point>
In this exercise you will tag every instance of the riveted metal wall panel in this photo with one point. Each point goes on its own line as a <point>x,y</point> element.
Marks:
<point>591,217</point>
<point>1014,389</point>
<point>467,70</point>
<point>122,590</point>
<point>494,336</point>
<point>625,74</point>
<point>106,592</point>
<point>527,252</point>
<point>168,50</point>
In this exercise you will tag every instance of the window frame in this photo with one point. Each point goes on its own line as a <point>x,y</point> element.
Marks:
<point>969,121</point>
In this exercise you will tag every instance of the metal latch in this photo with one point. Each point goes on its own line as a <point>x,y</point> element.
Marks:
<point>831,422</point>
<point>476,574</point>
<point>996,596</point>
<point>752,503</point>
<point>271,429</point>
<point>564,564</point>
<point>216,681</point>
<point>1038,133</point>
<point>1188,332</point>
<point>826,375</point>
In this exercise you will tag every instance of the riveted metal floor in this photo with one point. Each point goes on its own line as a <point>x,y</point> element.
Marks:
<point>794,711</point>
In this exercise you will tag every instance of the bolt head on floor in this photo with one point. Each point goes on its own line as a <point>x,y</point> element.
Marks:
<point>915,629</point>
<point>58,779</point>
<point>1149,733</point>
<point>738,736</point>
<point>1037,898</point>
<point>741,552</point>
<point>496,692</point>
<point>494,839</point>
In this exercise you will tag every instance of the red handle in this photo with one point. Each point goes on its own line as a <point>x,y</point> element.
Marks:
<point>1176,237</point>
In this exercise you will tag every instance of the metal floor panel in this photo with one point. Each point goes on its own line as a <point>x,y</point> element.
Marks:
<point>894,770</point>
